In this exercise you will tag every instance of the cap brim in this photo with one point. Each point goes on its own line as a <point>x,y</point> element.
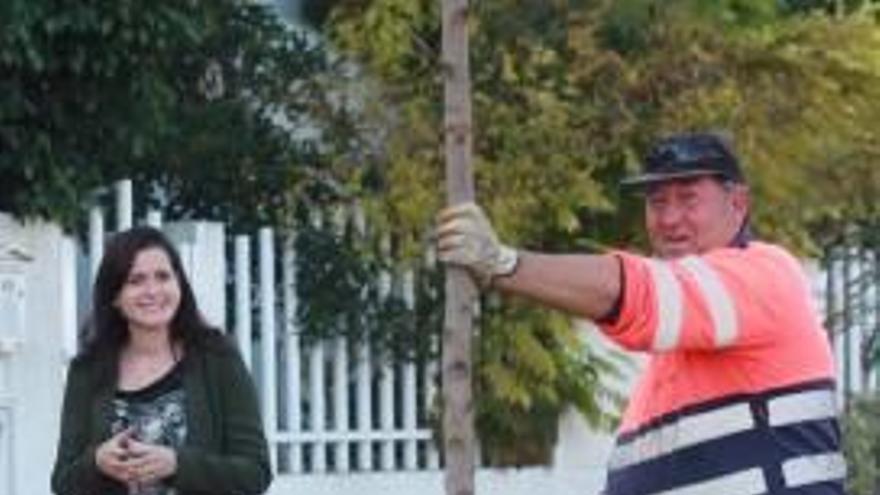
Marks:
<point>648,179</point>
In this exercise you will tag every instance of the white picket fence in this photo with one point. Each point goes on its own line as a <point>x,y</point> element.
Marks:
<point>850,300</point>
<point>340,417</point>
<point>335,409</point>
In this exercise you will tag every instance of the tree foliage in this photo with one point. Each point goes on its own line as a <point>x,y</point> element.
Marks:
<point>861,428</point>
<point>220,106</point>
<point>568,93</point>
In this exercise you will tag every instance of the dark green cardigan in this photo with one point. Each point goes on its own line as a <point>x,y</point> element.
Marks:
<point>225,450</point>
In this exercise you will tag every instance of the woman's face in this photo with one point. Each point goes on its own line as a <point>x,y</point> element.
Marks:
<point>150,295</point>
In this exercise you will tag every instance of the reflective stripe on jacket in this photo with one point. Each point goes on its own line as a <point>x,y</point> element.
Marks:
<point>738,393</point>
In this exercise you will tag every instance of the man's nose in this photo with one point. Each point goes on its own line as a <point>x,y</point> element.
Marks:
<point>669,215</point>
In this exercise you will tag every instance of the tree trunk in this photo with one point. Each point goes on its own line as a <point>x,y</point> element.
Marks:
<point>458,406</point>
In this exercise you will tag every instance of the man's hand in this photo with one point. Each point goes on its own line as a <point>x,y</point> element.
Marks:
<point>465,238</point>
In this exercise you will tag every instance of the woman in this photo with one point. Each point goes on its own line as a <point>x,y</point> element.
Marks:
<point>157,402</point>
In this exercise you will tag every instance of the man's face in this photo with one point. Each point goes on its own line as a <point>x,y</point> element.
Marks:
<point>692,216</point>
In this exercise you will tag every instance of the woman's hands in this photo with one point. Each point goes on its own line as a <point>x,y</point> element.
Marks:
<point>150,463</point>
<point>129,461</point>
<point>111,457</point>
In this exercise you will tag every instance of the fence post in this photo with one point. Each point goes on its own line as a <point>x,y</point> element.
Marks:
<point>294,352</point>
<point>386,376</point>
<point>340,402</point>
<point>364,374</point>
<point>872,325</point>
<point>340,371</point>
<point>202,247</point>
<point>861,313</point>
<point>124,208</point>
<point>364,405</point>
<point>154,219</point>
<point>318,407</point>
<point>431,370</point>
<point>847,323</point>
<point>410,446</point>
<point>267,336</point>
<point>243,325</point>
<point>96,240</point>
<point>875,312</point>
<point>69,334</point>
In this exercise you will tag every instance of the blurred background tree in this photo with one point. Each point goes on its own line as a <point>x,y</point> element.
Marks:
<point>567,95</point>
<point>216,108</point>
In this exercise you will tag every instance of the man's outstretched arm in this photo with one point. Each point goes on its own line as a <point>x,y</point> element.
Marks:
<point>587,286</point>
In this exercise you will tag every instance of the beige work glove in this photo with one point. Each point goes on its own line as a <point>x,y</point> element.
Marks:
<point>465,238</point>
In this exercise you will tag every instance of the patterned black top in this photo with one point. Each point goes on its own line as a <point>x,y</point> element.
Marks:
<point>157,415</point>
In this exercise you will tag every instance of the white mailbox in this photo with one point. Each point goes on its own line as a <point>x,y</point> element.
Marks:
<point>12,297</point>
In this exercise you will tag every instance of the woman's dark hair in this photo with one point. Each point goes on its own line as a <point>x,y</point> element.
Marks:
<point>107,330</point>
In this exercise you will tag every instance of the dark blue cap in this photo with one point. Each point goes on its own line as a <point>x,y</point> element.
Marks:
<point>682,156</point>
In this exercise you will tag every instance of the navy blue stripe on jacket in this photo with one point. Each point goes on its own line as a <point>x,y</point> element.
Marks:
<point>780,442</point>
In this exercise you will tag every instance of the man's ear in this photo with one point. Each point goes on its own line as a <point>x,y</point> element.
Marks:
<point>740,199</point>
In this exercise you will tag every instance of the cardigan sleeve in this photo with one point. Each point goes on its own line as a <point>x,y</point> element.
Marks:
<point>75,471</point>
<point>242,465</point>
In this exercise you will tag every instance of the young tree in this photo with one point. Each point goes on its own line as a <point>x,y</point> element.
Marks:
<point>459,441</point>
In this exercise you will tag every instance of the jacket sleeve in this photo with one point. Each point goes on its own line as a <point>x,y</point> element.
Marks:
<point>75,472</point>
<point>243,464</point>
<point>728,298</point>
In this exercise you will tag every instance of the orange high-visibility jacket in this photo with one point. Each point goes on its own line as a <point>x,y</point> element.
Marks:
<point>738,394</point>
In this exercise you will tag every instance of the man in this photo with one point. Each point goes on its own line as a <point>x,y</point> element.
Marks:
<point>738,395</point>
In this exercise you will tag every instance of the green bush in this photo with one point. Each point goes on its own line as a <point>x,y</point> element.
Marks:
<point>861,435</point>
